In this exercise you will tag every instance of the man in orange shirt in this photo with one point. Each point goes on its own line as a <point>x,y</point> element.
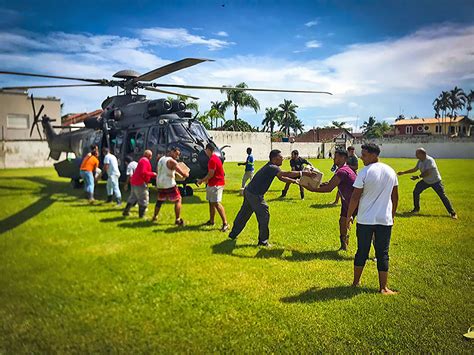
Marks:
<point>88,167</point>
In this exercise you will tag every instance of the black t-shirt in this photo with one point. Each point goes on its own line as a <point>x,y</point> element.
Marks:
<point>263,179</point>
<point>297,164</point>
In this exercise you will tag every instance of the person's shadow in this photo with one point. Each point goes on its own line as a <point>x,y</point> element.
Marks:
<point>229,246</point>
<point>317,294</point>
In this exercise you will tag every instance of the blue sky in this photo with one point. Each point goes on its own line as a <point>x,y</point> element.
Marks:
<point>378,58</point>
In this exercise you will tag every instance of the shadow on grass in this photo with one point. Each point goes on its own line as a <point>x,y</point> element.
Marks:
<point>112,219</point>
<point>323,205</point>
<point>47,189</point>
<point>315,294</point>
<point>409,215</point>
<point>227,247</point>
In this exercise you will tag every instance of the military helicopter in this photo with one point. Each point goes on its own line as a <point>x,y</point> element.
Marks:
<point>130,123</point>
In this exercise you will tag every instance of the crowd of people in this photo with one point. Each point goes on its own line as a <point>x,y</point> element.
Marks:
<point>369,196</point>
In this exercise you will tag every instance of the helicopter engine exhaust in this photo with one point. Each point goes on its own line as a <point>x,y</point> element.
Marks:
<point>159,107</point>
<point>178,105</point>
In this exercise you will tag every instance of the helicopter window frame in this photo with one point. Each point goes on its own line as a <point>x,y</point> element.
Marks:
<point>196,128</point>
<point>156,136</point>
<point>178,136</point>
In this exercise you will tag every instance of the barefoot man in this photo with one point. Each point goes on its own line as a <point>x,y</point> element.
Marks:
<point>376,197</point>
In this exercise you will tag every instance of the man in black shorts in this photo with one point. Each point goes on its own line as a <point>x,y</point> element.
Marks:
<point>297,164</point>
<point>254,201</point>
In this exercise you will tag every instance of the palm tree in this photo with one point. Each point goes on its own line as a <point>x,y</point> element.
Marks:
<point>219,107</point>
<point>272,116</point>
<point>380,128</point>
<point>239,99</point>
<point>287,112</point>
<point>338,124</point>
<point>470,99</point>
<point>444,105</point>
<point>213,114</point>
<point>368,127</point>
<point>457,99</point>
<point>297,126</point>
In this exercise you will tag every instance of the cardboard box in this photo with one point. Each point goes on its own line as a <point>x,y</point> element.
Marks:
<point>184,168</point>
<point>311,182</point>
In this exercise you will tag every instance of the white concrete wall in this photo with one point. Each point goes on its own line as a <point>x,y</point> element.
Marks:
<point>458,150</point>
<point>306,150</point>
<point>240,141</point>
<point>25,154</point>
<point>261,145</point>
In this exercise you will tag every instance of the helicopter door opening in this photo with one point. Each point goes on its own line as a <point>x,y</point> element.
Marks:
<point>157,141</point>
<point>136,144</point>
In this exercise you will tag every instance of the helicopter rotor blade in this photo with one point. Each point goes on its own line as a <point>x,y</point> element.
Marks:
<point>171,93</point>
<point>170,68</point>
<point>46,86</point>
<point>224,88</point>
<point>53,76</point>
<point>34,114</point>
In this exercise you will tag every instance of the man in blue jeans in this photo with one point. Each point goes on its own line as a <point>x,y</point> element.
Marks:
<point>430,178</point>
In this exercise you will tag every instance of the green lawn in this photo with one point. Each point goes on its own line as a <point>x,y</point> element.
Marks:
<point>80,278</point>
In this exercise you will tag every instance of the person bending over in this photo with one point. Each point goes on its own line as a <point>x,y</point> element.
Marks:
<point>343,179</point>
<point>254,193</point>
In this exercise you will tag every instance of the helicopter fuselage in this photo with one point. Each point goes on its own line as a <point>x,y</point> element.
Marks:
<point>129,125</point>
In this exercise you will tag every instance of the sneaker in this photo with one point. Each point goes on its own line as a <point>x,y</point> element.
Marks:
<point>225,227</point>
<point>179,222</point>
<point>414,211</point>
<point>209,223</point>
<point>454,215</point>
<point>264,244</point>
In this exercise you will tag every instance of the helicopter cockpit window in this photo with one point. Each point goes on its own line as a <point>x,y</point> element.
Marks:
<point>198,131</point>
<point>179,132</point>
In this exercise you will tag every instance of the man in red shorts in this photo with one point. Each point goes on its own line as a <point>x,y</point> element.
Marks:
<point>344,179</point>
<point>166,170</point>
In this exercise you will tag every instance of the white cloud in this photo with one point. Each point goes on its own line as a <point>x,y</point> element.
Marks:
<point>222,34</point>
<point>313,44</point>
<point>311,23</point>
<point>367,78</point>
<point>179,37</point>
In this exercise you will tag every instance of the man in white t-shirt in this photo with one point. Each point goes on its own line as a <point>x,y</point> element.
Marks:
<point>430,177</point>
<point>131,166</point>
<point>113,175</point>
<point>166,170</point>
<point>375,197</point>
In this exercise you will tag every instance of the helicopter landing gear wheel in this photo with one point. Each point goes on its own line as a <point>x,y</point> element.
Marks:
<point>189,190</point>
<point>186,191</point>
<point>76,183</point>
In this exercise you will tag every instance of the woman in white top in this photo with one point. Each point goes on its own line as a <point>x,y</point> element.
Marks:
<point>167,168</point>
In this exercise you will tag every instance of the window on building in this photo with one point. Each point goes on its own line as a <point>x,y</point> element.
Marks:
<point>452,129</point>
<point>438,129</point>
<point>17,121</point>
<point>409,130</point>
<point>419,129</point>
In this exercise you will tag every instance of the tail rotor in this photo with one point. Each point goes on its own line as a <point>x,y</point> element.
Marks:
<point>36,117</point>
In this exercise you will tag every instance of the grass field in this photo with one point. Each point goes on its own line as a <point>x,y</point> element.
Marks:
<point>80,278</point>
